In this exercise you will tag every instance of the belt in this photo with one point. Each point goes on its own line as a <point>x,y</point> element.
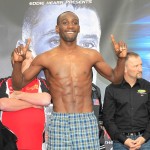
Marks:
<point>133,133</point>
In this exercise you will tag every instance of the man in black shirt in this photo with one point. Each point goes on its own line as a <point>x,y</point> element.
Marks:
<point>126,110</point>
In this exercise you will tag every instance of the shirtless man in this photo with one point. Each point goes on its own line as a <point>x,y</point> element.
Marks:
<point>68,72</point>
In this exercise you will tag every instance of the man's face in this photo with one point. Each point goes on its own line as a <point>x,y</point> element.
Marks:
<point>68,27</point>
<point>45,38</point>
<point>133,67</point>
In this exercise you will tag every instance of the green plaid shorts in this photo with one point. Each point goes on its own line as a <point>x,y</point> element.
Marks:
<point>73,132</point>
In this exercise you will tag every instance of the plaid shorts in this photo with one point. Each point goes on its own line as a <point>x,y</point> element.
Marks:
<point>73,132</point>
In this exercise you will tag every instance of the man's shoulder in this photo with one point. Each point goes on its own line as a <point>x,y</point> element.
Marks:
<point>5,78</point>
<point>2,80</point>
<point>89,49</point>
<point>113,86</point>
<point>47,52</point>
<point>91,52</point>
<point>3,87</point>
<point>144,82</point>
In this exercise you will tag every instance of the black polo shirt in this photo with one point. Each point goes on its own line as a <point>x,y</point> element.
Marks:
<point>127,109</point>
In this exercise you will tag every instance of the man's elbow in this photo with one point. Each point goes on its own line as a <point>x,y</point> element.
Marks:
<point>47,99</point>
<point>16,86</point>
<point>115,79</point>
<point>3,105</point>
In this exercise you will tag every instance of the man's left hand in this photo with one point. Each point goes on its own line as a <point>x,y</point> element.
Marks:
<point>120,48</point>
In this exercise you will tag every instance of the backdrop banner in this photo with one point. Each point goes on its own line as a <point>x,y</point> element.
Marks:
<point>127,20</point>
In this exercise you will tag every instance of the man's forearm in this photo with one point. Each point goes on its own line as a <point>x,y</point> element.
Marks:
<point>40,99</point>
<point>17,76</point>
<point>11,104</point>
<point>119,70</point>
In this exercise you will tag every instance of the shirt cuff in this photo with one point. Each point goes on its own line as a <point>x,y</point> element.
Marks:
<point>146,136</point>
<point>121,138</point>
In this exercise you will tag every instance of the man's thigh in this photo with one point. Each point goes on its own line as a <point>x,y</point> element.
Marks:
<point>146,146</point>
<point>119,146</point>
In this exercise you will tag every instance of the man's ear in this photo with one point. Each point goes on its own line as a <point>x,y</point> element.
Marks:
<point>57,29</point>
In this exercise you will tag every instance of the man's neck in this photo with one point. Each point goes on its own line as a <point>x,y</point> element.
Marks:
<point>68,46</point>
<point>131,81</point>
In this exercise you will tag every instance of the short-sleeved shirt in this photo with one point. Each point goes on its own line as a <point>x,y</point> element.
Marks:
<point>27,124</point>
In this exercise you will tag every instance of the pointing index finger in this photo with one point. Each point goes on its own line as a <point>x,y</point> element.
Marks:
<point>28,42</point>
<point>113,39</point>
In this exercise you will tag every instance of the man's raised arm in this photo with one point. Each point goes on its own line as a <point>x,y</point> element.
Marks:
<point>18,56</point>
<point>113,75</point>
<point>120,49</point>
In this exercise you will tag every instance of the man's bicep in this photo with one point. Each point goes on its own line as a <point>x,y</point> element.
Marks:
<point>101,66</point>
<point>104,70</point>
<point>31,73</point>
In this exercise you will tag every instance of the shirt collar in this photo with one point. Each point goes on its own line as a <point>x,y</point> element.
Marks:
<point>138,81</point>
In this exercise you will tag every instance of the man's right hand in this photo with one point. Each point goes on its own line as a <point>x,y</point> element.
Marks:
<point>130,143</point>
<point>20,52</point>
